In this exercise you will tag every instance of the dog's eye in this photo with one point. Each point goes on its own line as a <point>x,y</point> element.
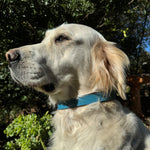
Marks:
<point>61,38</point>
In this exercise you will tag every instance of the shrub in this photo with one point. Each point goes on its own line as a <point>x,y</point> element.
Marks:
<point>28,132</point>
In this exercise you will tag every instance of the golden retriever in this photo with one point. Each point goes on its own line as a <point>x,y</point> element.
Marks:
<point>80,70</point>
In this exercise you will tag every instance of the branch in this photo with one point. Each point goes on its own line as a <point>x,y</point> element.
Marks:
<point>142,36</point>
<point>130,2</point>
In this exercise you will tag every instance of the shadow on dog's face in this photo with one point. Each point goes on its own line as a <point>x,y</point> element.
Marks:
<point>72,60</point>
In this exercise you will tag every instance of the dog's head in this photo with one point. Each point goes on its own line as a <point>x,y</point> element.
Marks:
<point>71,60</point>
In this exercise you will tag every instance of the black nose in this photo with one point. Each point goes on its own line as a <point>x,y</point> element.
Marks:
<point>12,55</point>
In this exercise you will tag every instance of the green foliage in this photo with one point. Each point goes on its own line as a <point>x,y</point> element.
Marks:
<point>126,23</point>
<point>29,132</point>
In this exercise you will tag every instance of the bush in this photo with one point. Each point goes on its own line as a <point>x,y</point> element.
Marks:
<point>28,132</point>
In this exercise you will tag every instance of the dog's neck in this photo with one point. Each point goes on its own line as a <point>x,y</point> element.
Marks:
<point>85,100</point>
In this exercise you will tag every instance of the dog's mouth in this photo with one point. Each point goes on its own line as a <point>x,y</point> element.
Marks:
<point>48,87</point>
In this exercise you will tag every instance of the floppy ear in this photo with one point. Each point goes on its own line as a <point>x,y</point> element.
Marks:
<point>108,68</point>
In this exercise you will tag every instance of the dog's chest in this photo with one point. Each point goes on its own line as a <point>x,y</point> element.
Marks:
<point>92,130</point>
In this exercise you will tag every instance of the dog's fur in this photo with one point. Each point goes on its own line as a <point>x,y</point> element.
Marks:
<point>75,60</point>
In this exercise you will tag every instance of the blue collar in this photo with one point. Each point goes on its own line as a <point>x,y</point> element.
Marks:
<point>85,100</point>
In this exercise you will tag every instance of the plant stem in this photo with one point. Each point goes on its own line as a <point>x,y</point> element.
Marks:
<point>43,145</point>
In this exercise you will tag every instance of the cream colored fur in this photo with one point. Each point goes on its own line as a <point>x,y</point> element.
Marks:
<point>75,60</point>
<point>99,126</point>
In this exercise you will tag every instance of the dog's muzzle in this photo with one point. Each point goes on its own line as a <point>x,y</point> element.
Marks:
<point>31,76</point>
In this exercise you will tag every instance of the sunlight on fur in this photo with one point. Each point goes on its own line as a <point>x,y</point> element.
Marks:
<point>109,65</point>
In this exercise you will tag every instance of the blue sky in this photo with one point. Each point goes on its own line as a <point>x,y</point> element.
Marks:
<point>148,48</point>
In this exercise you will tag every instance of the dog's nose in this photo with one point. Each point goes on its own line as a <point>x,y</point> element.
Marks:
<point>12,55</point>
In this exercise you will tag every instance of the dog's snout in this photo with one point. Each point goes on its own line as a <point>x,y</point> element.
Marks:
<point>12,55</point>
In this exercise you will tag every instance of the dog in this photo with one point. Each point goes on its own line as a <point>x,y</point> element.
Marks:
<point>81,72</point>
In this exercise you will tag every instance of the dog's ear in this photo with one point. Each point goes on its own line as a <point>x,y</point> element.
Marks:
<point>108,68</point>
